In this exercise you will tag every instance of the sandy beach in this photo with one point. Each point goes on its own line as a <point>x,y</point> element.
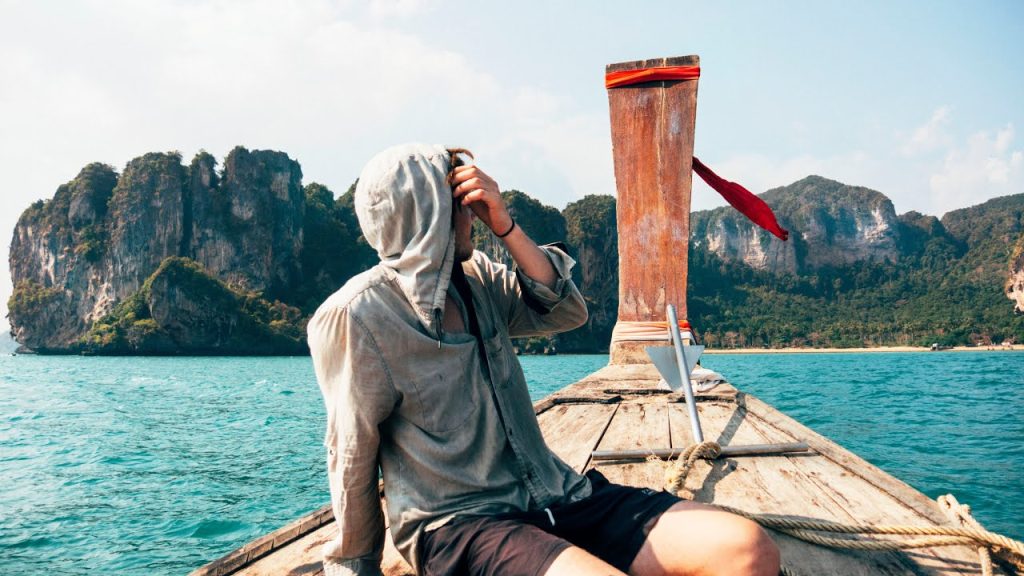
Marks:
<point>1015,347</point>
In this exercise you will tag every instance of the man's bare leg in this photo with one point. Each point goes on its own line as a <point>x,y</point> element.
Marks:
<point>697,539</point>
<point>575,561</point>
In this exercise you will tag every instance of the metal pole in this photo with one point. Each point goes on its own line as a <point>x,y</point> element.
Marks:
<point>727,451</point>
<point>684,373</point>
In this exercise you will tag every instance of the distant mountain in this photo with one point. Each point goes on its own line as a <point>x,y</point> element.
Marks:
<point>856,274</point>
<point>169,258</point>
<point>833,224</point>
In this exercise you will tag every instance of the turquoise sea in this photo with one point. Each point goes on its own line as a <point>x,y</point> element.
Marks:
<point>158,465</point>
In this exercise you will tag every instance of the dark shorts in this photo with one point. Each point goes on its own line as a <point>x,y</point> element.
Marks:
<point>612,524</point>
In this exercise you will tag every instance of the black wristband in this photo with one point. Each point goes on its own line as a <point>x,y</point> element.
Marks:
<point>509,231</point>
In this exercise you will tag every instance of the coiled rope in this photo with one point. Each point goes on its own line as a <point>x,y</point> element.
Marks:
<point>827,533</point>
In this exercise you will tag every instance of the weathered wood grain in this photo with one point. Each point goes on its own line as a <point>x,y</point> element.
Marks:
<point>574,430</point>
<point>302,556</point>
<point>652,127</point>
<point>853,498</point>
<point>793,485</point>
<point>635,426</point>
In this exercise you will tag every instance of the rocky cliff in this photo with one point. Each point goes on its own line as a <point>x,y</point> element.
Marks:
<point>843,224</point>
<point>246,227</point>
<point>168,258</point>
<point>913,279</point>
<point>100,242</point>
<point>1015,283</point>
<point>591,233</point>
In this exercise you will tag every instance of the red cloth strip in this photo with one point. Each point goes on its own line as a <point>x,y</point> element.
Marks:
<point>741,199</point>
<point>627,77</point>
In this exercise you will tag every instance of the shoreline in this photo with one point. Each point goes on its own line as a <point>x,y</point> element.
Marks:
<point>1015,347</point>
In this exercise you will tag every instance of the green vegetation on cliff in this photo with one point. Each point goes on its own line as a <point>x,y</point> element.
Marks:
<point>30,298</point>
<point>945,287</point>
<point>592,240</point>
<point>75,215</point>
<point>181,309</point>
<point>333,249</point>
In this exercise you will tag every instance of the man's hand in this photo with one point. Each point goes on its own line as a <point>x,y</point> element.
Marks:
<point>480,192</point>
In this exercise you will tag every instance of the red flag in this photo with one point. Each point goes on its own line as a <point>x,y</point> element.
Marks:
<point>741,199</point>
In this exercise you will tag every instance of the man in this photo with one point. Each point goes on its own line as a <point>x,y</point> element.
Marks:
<point>419,377</point>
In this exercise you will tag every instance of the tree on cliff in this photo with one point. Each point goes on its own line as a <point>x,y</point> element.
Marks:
<point>331,252</point>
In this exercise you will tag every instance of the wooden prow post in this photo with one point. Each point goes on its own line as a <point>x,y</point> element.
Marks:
<point>652,144</point>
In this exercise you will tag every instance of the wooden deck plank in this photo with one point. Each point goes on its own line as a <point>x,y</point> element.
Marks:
<point>765,483</point>
<point>636,426</point>
<point>573,430</point>
<point>792,485</point>
<point>854,500</point>
<point>303,557</point>
<point>638,372</point>
<point>298,558</point>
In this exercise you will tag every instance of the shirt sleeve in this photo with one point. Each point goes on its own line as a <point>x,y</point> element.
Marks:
<point>531,307</point>
<point>359,396</point>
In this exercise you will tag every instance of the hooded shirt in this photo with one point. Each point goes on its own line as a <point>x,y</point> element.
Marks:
<point>447,418</point>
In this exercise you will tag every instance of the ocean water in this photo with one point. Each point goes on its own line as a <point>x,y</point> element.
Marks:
<point>159,465</point>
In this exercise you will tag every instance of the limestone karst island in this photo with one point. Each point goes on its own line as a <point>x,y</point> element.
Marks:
<point>165,257</point>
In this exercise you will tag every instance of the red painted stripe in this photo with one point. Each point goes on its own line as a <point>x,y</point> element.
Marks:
<point>627,77</point>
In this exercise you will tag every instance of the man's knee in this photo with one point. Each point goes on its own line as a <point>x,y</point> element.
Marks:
<point>744,547</point>
<point>576,561</point>
<point>698,539</point>
<point>756,553</point>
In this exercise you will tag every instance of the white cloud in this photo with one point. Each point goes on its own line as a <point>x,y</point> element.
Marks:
<point>929,171</point>
<point>929,136</point>
<point>399,8</point>
<point>983,167</point>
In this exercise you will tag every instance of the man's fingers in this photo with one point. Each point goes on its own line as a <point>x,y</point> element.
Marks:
<point>468,185</point>
<point>463,173</point>
<point>470,177</point>
<point>473,196</point>
<point>472,185</point>
<point>465,168</point>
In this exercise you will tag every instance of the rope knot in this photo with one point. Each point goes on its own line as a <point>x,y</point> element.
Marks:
<point>675,476</point>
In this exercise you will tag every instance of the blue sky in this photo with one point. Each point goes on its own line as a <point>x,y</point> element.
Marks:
<point>919,100</point>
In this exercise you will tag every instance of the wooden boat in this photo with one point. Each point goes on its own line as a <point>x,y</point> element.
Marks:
<point>620,407</point>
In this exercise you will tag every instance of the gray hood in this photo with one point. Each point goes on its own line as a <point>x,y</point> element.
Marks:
<point>404,205</point>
